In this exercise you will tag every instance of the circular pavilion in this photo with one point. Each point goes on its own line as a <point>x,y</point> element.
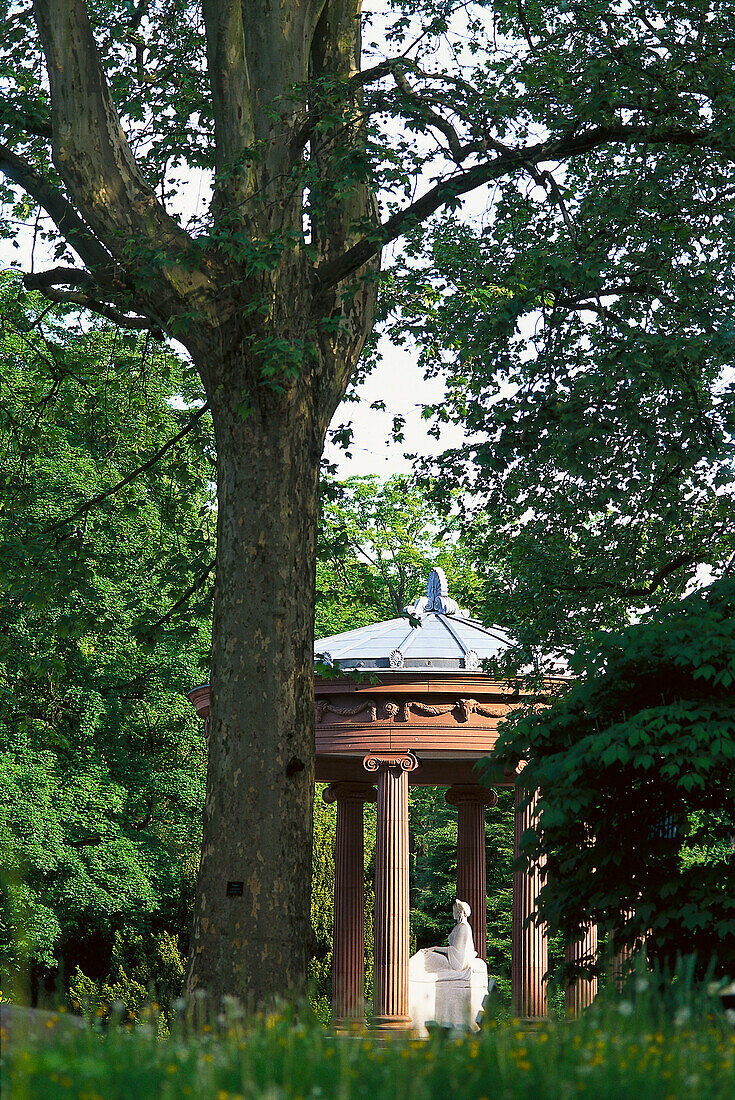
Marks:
<point>409,705</point>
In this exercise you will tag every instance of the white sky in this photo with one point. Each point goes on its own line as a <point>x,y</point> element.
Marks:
<point>400,383</point>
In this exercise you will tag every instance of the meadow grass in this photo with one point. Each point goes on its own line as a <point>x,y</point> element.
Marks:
<point>644,1047</point>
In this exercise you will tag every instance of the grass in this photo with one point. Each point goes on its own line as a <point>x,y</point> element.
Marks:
<point>643,1047</point>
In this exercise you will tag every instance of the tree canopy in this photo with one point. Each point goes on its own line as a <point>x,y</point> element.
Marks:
<point>315,162</point>
<point>634,766</point>
<point>588,350</point>
<point>378,542</point>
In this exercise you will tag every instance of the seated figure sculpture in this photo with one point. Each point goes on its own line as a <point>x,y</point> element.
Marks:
<point>448,984</point>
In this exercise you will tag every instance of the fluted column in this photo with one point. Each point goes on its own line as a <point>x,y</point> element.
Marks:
<point>348,954</point>
<point>390,1000</point>
<point>621,957</point>
<point>530,947</point>
<point>580,992</point>
<point>471,800</point>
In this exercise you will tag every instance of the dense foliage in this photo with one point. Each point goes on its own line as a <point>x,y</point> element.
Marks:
<point>635,768</point>
<point>585,332</point>
<point>378,541</point>
<point>101,757</point>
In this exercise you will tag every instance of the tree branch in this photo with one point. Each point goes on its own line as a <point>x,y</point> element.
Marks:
<point>546,178</point>
<point>90,151</point>
<point>59,276</point>
<point>85,842</point>
<point>525,27</point>
<point>185,596</point>
<point>132,322</point>
<point>252,81</point>
<point>677,563</point>
<point>429,115</point>
<point>48,281</point>
<point>39,125</point>
<point>335,270</point>
<point>349,203</point>
<point>139,11</point>
<point>58,208</point>
<point>232,104</point>
<point>628,591</point>
<point>95,500</point>
<point>351,85</point>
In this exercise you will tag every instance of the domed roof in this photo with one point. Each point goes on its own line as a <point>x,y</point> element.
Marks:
<point>444,638</point>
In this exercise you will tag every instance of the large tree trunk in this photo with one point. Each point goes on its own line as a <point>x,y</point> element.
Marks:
<point>270,416</point>
<point>275,344</point>
<point>260,783</point>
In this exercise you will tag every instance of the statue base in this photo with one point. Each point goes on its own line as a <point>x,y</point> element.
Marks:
<point>450,998</point>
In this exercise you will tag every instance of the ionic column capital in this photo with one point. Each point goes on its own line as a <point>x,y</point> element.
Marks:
<point>348,790</point>
<point>462,794</point>
<point>406,761</point>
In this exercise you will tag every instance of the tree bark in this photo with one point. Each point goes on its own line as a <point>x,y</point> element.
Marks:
<point>260,782</point>
<point>269,431</point>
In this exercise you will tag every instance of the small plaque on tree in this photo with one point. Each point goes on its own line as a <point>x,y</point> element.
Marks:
<point>234,889</point>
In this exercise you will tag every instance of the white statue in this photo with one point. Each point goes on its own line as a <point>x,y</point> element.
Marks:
<point>448,984</point>
<point>461,950</point>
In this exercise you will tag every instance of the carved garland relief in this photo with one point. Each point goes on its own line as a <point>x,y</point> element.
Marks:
<point>326,706</point>
<point>461,708</point>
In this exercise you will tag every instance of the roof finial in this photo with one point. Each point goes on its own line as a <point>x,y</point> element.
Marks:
<point>436,586</point>
<point>437,597</point>
<point>437,593</point>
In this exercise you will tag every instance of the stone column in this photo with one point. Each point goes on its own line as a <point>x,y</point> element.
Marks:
<point>530,948</point>
<point>390,1001</point>
<point>348,955</point>
<point>621,958</point>
<point>471,800</point>
<point>580,992</point>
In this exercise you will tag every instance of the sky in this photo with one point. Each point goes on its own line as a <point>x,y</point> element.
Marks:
<point>399,382</point>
